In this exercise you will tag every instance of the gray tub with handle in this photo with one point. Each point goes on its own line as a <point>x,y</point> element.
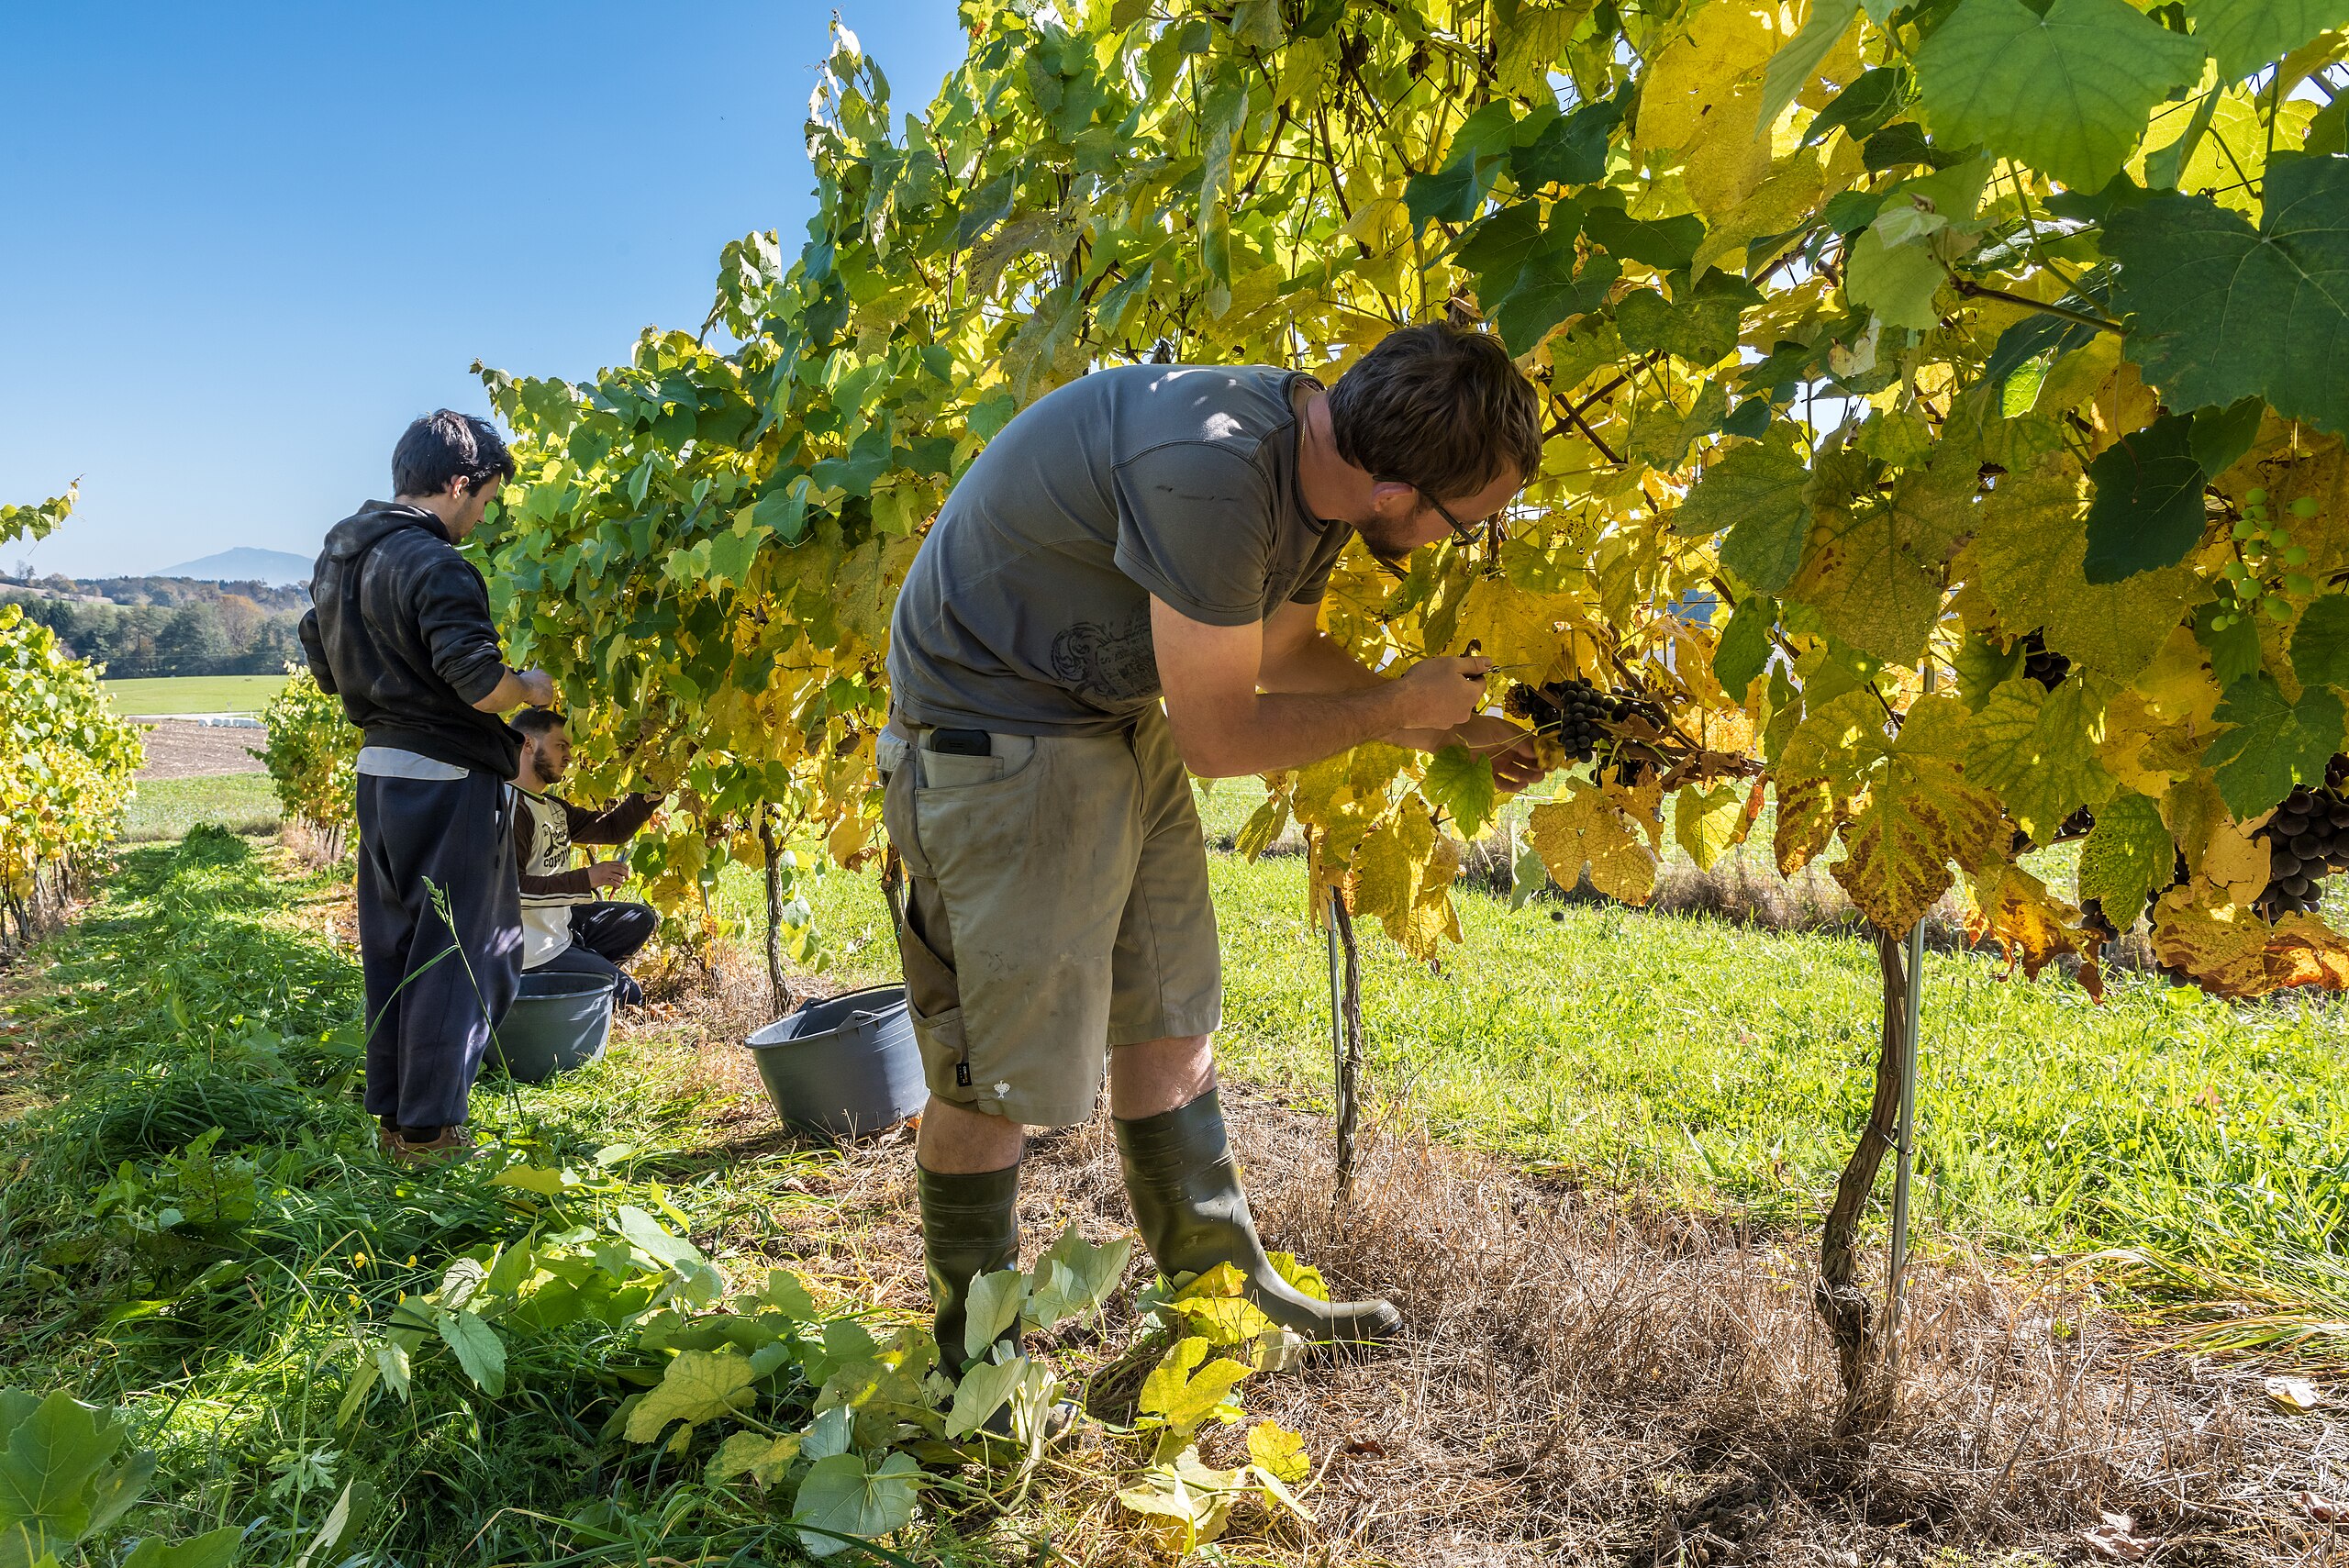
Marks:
<point>558,1022</point>
<point>842,1066</point>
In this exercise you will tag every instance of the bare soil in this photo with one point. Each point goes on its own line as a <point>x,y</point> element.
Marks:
<point>1589,1378</point>
<point>179,750</point>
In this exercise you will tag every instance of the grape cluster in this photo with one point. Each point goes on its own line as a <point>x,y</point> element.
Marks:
<point>2307,840</point>
<point>2043,664</point>
<point>1577,712</point>
<point>2269,565</point>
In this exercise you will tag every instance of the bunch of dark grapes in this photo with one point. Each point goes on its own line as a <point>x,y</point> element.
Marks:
<point>2042,664</point>
<point>2093,918</point>
<point>2307,840</point>
<point>1574,711</point>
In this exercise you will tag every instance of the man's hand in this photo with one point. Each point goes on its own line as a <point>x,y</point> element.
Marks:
<point>1510,749</point>
<point>1441,693</point>
<point>605,874</point>
<point>520,688</point>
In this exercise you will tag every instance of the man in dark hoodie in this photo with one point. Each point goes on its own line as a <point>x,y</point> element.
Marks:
<point>400,629</point>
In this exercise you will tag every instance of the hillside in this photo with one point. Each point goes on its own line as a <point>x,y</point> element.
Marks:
<point>244,564</point>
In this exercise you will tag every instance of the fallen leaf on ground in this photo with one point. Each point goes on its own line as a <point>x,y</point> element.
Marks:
<point>2117,1540</point>
<point>2294,1393</point>
<point>2323,1510</point>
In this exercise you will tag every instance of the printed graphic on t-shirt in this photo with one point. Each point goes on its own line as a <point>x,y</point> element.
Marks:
<point>1118,664</point>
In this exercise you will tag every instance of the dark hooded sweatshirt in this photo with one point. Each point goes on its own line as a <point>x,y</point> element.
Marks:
<point>399,628</point>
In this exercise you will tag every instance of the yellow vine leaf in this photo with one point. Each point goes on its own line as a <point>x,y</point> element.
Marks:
<point>2013,908</point>
<point>2226,953</point>
<point>699,1385</point>
<point>2038,750</point>
<point>1588,827</point>
<point>1706,822</point>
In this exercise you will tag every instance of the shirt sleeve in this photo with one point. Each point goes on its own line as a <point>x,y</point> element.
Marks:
<point>1315,584</point>
<point>452,616</point>
<point>1195,528</point>
<point>314,650</point>
<point>610,826</point>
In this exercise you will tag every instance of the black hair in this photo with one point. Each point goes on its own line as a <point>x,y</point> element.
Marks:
<point>445,447</point>
<point>536,721</point>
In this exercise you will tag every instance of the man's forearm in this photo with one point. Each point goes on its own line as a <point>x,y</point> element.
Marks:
<point>1289,729</point>
<point>1320,665</point>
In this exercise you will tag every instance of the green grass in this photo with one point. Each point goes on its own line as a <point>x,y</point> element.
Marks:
<point>167,808</point>
<point>1718,1065</point>
<point>195,693</point>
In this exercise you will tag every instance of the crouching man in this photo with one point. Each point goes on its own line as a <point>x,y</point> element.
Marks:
<point>1145,533</point>
<point>565,926</point>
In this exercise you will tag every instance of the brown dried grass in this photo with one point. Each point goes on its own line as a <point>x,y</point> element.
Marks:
<point>1589,1379</point>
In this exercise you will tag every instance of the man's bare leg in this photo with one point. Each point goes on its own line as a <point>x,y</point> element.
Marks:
<point>1160,1074</point>
<point>957,1141</point>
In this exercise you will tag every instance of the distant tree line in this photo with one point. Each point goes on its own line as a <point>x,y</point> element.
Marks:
<point>187,629</point>
<point>169,592</point>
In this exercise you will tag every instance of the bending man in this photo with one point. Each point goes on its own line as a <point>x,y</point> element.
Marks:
<point>565,927</point>
<point>1146,531</point>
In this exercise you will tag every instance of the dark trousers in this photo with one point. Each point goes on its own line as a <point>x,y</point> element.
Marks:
<point>604,935</point>
<point>429,1016</point>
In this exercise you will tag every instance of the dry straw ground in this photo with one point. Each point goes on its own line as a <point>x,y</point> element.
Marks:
<point>1589,1380</point>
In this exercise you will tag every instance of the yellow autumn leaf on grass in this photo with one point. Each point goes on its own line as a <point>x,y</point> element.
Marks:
<point>1278,1451</point>
<point>1587,827</point>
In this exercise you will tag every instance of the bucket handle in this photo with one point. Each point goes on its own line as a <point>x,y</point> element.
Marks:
<point>854,1013</point>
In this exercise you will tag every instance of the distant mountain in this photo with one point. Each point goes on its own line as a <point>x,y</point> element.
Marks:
<point>245,565</point>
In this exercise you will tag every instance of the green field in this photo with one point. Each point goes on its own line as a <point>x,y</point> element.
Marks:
<point>195,693</point>
<point>167,808</point>
<point>1721,1066</point>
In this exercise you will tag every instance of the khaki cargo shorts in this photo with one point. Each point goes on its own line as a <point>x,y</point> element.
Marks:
<point>1056,906</point>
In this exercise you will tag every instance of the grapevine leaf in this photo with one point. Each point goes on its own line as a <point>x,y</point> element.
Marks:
<point>2272,744</point>
<point>2247,34</point>
<point>2037,749</point>
<point>1588,827</point>
<point>2320,642</point>
<point>841,1497</point>
<point>1667,244</point>
<point>1572,148</point>
<point>1895,284</point>
<point>2147,509</point>
<point>1921,815</point>
<point>2222,435</point>
<point>1476,152</point>
<point>1745,649</point>
<point>1705,822</point>
<point>2126,856</point>
<point>1496,249</point>
<point>2067,93</point>
<point>2226,953</point>
<point>1460,782</point>
<point>1861,109</point>
<point>1757,483</point>
<point>478,1348</point>
<point>1546,293</point>
<point>1796,64</point>
<point>2222,311</point>
<point>699,1385</point>
<point>2014,908</point>
<point>828,1434</point>
<point>2235,650</point>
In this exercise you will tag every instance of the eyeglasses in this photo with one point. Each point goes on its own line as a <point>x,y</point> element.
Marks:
<point>1466,533</point>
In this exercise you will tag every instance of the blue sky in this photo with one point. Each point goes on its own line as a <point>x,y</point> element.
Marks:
<point>248,242</point>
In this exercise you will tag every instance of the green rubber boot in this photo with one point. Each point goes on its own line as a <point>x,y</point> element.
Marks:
<point>1193,1215</point>
<point>970,1226</point>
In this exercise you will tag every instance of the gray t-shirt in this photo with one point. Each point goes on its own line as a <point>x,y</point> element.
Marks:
<point>1027,609</point>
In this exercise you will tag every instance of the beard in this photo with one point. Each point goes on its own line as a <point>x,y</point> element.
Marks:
<point>1388,540</point>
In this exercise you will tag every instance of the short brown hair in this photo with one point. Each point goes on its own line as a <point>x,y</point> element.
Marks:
<point>537,720</point>
<point>1439,408</point>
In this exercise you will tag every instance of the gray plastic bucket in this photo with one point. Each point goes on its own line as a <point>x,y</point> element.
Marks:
<point>842,1067</point>
<point>558,1021</point>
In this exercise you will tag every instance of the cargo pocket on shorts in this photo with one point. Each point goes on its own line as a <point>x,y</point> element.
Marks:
<point>933,1003</point>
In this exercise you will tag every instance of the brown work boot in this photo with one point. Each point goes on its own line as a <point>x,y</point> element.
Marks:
<point>449,1146</point>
